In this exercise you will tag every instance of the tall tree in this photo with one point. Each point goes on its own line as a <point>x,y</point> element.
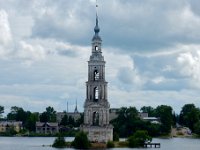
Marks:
<point>16,113</point>
<point>126,122</point>
<point>197,128</point>
<point>44,117</point>
<point>79,121</point>
<point>31,121</point>
<point>148,109</point>
<point>189,115</point>
<point>1,111</point>
<point>65,120</point>
<point>52,114</point>
<point>49,115</point>
<point>164,112</point>
<point>71,121</point>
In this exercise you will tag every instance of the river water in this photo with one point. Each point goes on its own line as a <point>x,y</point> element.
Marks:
<point>42,143</point>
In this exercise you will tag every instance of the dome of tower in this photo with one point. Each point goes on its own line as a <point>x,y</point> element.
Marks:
<point>96,29</point>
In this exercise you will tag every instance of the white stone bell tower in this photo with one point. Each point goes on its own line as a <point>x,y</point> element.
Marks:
<point>96,107</point>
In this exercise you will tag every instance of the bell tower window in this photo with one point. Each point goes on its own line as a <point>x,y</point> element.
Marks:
<point>96,48</point>
<point>96,75</point>
<point>96,94</point>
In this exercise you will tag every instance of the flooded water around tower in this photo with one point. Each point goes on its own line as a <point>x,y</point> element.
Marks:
<point>43,143</point>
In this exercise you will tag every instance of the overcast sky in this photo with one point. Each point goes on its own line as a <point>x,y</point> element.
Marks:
<point>151,48</point>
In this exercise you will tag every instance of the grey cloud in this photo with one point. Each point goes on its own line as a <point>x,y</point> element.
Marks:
<point>146,26</point>
<point>194,4</point>
<point>125,75</point>
<point>167,85</point>
<point>65,52</point>
<point>129,25</point>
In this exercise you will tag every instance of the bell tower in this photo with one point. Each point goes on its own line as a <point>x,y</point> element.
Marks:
<point>96,107</point>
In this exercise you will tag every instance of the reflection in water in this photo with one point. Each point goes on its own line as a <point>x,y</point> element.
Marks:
<point>43,143</point>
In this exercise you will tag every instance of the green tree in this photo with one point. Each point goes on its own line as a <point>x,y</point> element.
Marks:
<point>65,120</point>
<point>18,114</point>
<point>71,121</point>
<point>49,115</point>
<point>79,121</point>
<point>165,114</point>
<point>44,117</point>
<point>59,142</point>
<point>12,115</point>
<point>175,118</point>
<point>197,128</point>
<point>1,111</point>
<point>138,139</point>
<point>189,115</point>
<point>115,137</point>
<point>148,109</point>
<point>81,141</point>
<point>31,121</point>
<point>127,121</point>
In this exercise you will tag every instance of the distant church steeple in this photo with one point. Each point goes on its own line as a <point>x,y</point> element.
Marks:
<point>76,109</point>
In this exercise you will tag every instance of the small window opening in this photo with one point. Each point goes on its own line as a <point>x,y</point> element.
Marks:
<point>96,48</point>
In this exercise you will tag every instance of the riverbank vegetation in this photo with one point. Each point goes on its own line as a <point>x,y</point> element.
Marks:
<point>138,139</point>
<point>81,141</point>
<point>59,142</point>
<point>128,121</point>
<point>125,125</point>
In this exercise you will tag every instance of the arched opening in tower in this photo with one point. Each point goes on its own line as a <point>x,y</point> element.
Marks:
<point>96,94</point>
<point>95,118</point>
<point>96,75</point>
<point>96,48</point>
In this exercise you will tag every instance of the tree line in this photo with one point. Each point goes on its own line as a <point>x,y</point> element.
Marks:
<point>29,119</point>
<point>127,122</point>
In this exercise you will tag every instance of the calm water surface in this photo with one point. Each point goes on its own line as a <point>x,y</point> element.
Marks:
<point>41,143</point>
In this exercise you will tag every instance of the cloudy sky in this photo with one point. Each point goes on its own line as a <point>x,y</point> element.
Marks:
<point>151,48</point>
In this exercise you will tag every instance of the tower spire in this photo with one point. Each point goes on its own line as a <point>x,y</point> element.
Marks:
<point>96,28</point>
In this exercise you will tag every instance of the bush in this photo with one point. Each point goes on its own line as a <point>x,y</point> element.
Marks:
<point>110,144</point>
<point>133,142</point>
<point>138,139</point>
<point>81,141</point>
<point>59,142</point>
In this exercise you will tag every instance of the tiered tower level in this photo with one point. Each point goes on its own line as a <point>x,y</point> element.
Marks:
<point>96,107</point>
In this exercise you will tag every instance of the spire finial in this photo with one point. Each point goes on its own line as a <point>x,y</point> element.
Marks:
<point>96,10</point>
